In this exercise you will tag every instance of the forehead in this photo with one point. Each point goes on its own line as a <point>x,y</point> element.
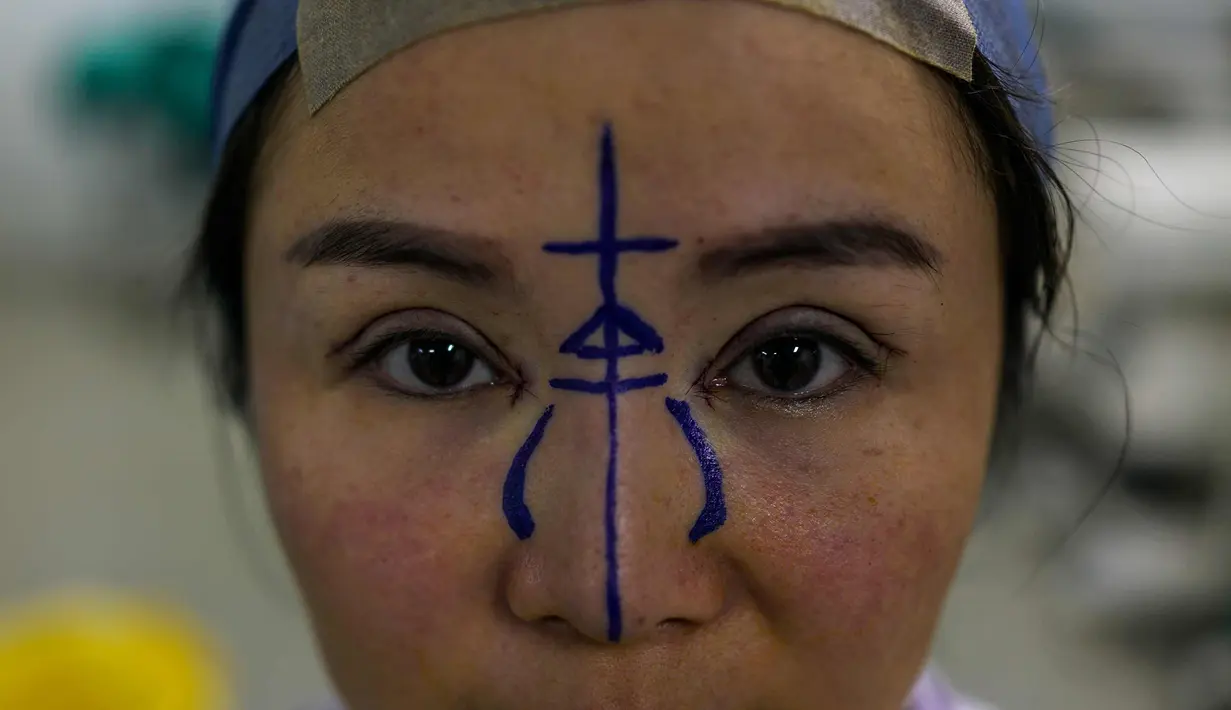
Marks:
<point>724,113</point>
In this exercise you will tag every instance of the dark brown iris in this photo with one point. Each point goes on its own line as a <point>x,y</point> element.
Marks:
<point>787,364</point>
<point>440,364</point>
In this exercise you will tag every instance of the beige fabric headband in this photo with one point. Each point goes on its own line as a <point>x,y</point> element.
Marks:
<point>341,39</point>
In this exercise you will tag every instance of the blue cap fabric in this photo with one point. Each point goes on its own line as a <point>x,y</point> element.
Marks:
<point>262,36</point>
<point>259,39</point>
<point>1006,31</point>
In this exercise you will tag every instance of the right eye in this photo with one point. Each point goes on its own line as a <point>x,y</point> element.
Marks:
<point>791,367</point>
<point>433,365</point>
<point>426,353</point>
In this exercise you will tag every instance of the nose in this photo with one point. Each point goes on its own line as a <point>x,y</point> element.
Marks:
<point>614,555</point>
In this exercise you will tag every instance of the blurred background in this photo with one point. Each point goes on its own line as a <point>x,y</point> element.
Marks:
<point>120,482</point>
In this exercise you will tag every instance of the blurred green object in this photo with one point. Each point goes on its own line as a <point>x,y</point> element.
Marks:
<point>161,70</point>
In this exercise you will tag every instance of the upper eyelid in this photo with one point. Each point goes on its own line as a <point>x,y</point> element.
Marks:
<point>370,358</point>
<point>758,330</point>
<point>373,340</point>
<point>858,356</point>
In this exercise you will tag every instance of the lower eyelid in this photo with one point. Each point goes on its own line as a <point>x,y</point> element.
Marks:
<point>800,407</point>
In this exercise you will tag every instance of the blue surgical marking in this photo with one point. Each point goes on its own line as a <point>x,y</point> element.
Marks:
<point>611,319</point>
<point>515,510</point>
<point>583,386</point>
<point>593,352</point>
<point>714,514</point>
<point>640,383</point>
<point>614,319</point>
<point>604,386</point>
<point>642,244</point>
<point>625,320</point>
<point>615,613</point>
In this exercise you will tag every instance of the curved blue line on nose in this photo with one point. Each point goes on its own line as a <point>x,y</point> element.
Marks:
<point>714,513</point>
<point>515,509</point>
<point>610,320</point>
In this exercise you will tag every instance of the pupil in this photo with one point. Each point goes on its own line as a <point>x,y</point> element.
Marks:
<point>440,363</point>
<point>787,364</point>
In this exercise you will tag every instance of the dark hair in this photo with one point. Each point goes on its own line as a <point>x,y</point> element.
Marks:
<point>1035,227</point>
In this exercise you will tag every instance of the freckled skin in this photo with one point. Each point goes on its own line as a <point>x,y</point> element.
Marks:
<point>845,518</point>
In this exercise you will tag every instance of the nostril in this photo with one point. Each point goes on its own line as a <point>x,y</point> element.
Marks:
<point>676,625</point>
<point>559,626</point>
<point>565,631</point>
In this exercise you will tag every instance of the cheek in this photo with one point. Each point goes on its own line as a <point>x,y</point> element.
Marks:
<point>860,570</point>
<point>387,536</point>
<point>877,573</point>
<point>851,542</point>
<point>381,577</point>
<point>372,550</point>
<point>855,599</point>
<point>370,559</point>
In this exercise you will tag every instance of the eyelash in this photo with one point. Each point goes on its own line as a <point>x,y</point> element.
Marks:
<point>871,363</point>
<point>372,352</point>
<point>712,384</point>
<point>367,359</point>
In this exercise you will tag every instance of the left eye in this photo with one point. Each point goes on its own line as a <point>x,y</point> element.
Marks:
<point>793,367</point>
<point>435,366</point>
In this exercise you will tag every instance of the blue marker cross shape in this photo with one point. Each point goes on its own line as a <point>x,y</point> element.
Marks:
<point>611,321</point>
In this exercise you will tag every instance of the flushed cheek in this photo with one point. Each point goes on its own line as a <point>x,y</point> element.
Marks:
<point>382,591</point>
<point>876,574</point>
<point>382,567</point>
<point>852,575</point>
<point>841,563</point>
<point>854,538</point>
<point>854,601</point>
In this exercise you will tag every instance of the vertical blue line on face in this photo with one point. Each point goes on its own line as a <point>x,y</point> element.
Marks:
<point>608,257</point>
<point>612,318</point>
<point>615,614</point>
<point>608,262</point>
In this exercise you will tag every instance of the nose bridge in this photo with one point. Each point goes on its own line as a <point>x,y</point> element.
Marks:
<point>663,508</point>
<point>566,574</point>
<point>626,455</point>
<point>658,491</point>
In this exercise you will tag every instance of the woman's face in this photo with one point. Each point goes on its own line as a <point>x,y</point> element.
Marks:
<point>765,511</point>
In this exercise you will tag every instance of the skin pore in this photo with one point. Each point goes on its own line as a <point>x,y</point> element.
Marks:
<point>821,195</point>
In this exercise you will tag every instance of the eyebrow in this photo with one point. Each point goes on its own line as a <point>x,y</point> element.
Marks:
<point>820,245</point>
<point>383,243</point>
<point>477,261</point>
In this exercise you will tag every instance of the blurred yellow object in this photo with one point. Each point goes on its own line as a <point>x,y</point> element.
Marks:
<point>101,653</point>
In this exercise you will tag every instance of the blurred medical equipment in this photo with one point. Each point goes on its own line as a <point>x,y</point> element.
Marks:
<point>1152,564</point>
<point>101,651</point>
<point>160,71</point>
